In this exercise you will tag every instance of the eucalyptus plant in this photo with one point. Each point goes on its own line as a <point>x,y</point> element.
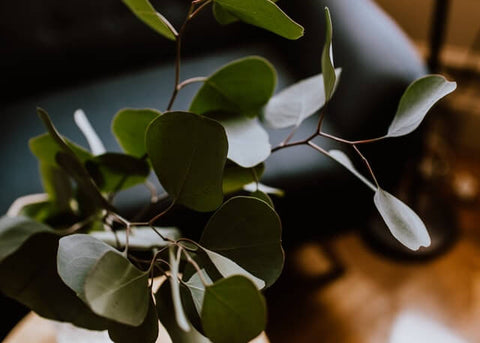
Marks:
<point>73,257</point>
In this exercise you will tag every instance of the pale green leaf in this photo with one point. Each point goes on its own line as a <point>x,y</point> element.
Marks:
<point>197,288</point>
<point>294,104</point>
<point>116,290</point>
<point>188,153</point>
<point>129,127</point>
<point>144,11</point>
<point>234,311</point>
<point>247,231</point>
<point>261,13</point>
<point>417,100</point>
<point>403,223</point>
<point>243,86</point>
<point>328,69</point>
<point>248,142</point>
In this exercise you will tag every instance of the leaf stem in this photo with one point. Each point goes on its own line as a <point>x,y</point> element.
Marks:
<point>197,267</point>
<point>367,164</point>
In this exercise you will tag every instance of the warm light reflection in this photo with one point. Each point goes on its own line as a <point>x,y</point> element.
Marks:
<point>411,327</point>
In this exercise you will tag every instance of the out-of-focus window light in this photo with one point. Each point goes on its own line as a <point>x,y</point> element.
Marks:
<point>411,327</point>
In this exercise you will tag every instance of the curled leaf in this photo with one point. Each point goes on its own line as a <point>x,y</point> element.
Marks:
<point>328,70</point>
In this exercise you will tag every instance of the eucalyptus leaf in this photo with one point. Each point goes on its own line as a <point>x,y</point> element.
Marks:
<point>140,238</point>
<point>248,142</point>
<point>45,148</point>
<point>144,10</point>
<point>222,16</point>
<point>417,100</point>
<point>76,257</point>
<point>180,316</point>
<point>28,274</point>
<point>261,13</point>
<point>197,288</point>
<point>227,268</point>
<point>345,161</point>
<point>235,177</point>
<point>403,223</point>
<point>328,70</point>
<point>243,86</point>
<point>129,127</point>
<point>234,311</point>
<point>247,231</point>
<point>294,104</point>
<point>57,185</point>
<point>116,290</point>
<point>147,332</point>
<point>113,171</point>
<point>188,153</point>
<point>263,196</point>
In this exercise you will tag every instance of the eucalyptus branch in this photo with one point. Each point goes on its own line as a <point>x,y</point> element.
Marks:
<point>196,266</point>
<point>367,164</point>
<point>190,81</point>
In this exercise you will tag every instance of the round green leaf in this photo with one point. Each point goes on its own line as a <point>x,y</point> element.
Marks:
<point>294,104</point>
<point>248,231</point>
<point>417,100</point>
<point>403,223</point>
<point>262,13</point>
<point>233,311</point>
<point>188,153</point>
<point>116,290</point>
<point>248,142</point>
<point>146,13</point>
<point>242,86</point>
<point>129,127</point>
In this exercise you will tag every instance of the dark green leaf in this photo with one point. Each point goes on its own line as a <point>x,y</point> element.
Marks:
<point>57,185</point>
<point>113,171</point>
<point>403,223</point>
<point>262,13</point>
<point>248,142</point>
<point>296,103</point>
<point>29,274</point>
<point>247,231</point>
<point>147,332</point>
<point>263,196</point>
<point>115,289</point>
<point>129,127</point>
<point>188,153</point>
<point>234,311</point>
<point>328,70</point>
<point>235,177</point>
<point>146,13</point>
<point>222,16</point>
<point>242,86</point>
<point>417,100</point>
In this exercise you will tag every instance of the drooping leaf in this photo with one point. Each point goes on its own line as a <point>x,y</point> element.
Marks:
<point>147,332</point>
<point>417,100</point>
<point>247,231</point>
<point>76,257</point>
<point>144,11</point>
<point>296,103</point>
<point>188,153</point>
<point>165,309</point>
<point>95,143</point>
<point>235,177</point>
<point>242,86</point>
<point>117,290</point>
<point>261,13</point>
<point>129,127</point>
<point>222,16</point>
<point>227,268</point>
<point>328,70</point>
<point>403,223</point>
<point>28,273</point>
<point>248,142</point>
<point>113,171</point>
<point>234,311</point>
<point>180,316</point>
<point>140,238</point>
<point>344,160</point>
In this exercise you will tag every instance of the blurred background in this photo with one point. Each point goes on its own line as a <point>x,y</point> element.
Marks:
<point>347,281</point>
